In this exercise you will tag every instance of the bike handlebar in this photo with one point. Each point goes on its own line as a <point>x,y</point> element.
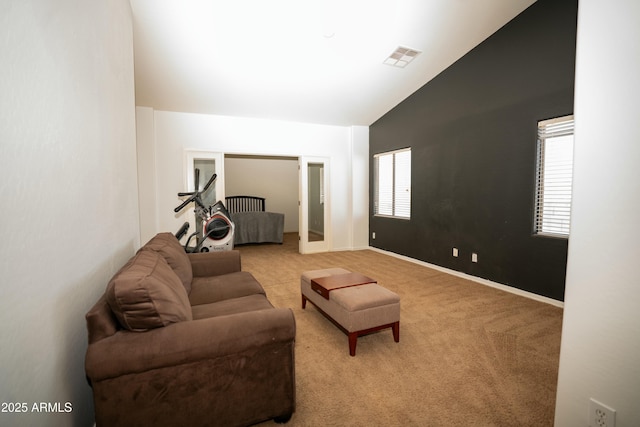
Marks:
<point>195,195</point>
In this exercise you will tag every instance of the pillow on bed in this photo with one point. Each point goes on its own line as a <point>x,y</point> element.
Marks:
<point>146,294</point>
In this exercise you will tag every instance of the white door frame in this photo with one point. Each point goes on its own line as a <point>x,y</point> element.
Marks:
<point>189,157</point>
<point>306,246</point>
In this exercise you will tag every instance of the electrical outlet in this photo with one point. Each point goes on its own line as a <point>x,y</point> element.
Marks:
<point>455,252</point>
<point>600,415</point>
<point>373,235</point>
<point>474,257</point>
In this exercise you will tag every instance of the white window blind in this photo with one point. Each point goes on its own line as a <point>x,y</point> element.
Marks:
<point>392,192</point>
<point>554,176</point>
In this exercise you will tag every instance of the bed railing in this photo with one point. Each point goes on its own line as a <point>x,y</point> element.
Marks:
<point>244,204</point>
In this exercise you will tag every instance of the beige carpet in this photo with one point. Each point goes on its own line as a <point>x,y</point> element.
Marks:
<point>469,355</point>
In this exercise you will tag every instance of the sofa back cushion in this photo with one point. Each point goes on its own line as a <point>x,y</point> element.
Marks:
<point>147,294</point>
<point>172,251</point>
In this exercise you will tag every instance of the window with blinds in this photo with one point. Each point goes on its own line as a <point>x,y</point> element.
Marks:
<point>392,184</point>
<point>554,176</point>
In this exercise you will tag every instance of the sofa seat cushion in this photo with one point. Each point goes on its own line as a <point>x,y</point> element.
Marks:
<point>147,294</point>
<point>205,290</point>
<point>172,251</point>
<point>231,306</point>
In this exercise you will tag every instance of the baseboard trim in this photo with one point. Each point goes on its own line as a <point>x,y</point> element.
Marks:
<point>476,279</point>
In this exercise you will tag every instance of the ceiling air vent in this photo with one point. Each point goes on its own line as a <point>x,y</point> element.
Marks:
<point>401,57</point>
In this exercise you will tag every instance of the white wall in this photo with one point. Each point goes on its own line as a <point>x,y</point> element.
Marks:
<point>176,132</point>
<point>360,186</point>
<point>146,152</point>
<point>67,190</point>
<point>600,354</point>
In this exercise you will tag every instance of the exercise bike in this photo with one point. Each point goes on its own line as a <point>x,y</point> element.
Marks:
<point>217,228</point>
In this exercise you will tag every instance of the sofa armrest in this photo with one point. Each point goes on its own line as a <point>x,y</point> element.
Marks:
<point>186,342</point>
<point>206,264</point>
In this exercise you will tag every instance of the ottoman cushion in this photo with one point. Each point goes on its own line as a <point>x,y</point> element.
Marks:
<point>361,297</point>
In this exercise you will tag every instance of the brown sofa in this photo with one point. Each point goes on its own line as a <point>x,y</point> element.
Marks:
<point>183,339</point>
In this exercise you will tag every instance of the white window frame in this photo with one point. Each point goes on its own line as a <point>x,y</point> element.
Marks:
<point>554,176</point>
<point>392,195</point>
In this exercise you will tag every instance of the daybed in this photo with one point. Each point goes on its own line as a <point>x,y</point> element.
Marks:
<point>183,339</point>
<point>252,223</point>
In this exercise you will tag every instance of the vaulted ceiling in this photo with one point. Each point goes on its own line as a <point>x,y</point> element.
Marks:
<point>314,61</point>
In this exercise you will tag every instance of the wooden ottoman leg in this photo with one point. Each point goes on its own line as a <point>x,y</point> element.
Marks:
<point>353,340</point>
<point>304,302</point>
<point>396,331</point>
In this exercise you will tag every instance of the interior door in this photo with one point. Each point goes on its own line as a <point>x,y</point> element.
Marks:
<point>314,223</point>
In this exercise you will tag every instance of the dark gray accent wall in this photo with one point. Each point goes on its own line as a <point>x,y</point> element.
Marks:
<point>472,133</point>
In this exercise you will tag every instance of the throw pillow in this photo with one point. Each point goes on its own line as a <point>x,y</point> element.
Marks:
<point>146,294</point>
<point>170,248</point>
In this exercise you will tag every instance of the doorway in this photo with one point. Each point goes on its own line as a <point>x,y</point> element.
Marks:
<point>295,186</point>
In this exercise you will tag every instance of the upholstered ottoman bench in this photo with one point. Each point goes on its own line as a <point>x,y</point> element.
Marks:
<point>356,304</point>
